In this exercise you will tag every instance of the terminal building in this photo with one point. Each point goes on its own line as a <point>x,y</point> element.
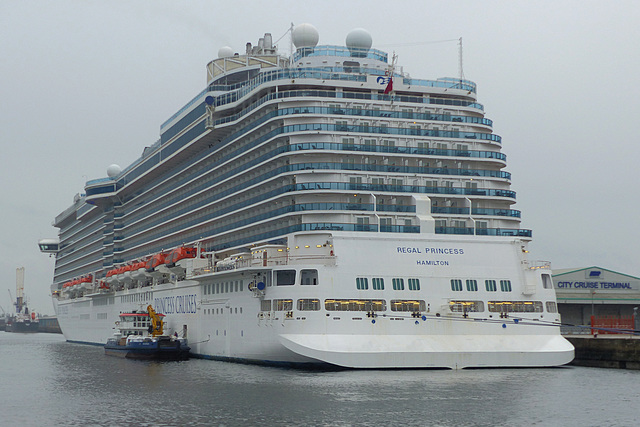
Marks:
<point>594,291</point>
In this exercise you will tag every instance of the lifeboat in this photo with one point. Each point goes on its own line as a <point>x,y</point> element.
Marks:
<point>86,282</point>
<point>138,270</point>
<point>126,275</point>
<point>155,261</point>
<point>178,254</point>
<point>155,266</point>
<point>111,277</point>
<point>66,287</point>
<point>103,285</point>
<point>120,274</point>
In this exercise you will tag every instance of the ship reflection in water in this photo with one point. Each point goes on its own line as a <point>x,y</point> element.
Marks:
<point>47,381</point>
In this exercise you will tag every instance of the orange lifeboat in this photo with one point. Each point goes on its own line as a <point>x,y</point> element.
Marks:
<point>154,261</point>
<point>138,270</point>
<point>181,253</point>
<point>111,276</point>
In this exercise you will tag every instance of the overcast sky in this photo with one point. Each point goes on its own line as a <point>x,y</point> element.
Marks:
<point>84,84</point>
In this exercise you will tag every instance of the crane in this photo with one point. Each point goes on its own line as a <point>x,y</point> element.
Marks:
<point>11,299</point>
<point>157,324</point>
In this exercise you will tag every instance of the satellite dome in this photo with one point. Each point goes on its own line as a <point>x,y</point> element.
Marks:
<point>359,38</point>
<point>305,35</point>
<point>225,52</point>
<point>113,171</point>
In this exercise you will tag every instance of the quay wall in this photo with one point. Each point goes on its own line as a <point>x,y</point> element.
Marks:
<point>49,325</point>
<point>621,351</point>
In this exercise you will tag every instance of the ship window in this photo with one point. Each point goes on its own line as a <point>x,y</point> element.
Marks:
<point>309,304</point>
<point>362,223</point>
<point>466,306</point>
<point>515,306</point>
<point>355,305</point>
<point>547,283</point>
<point>309,277</point>
<point>265,305</point>
<point>282,304</point>
<point>490,285</point>
<point>408,305</point>
<point>335,109</point>
<point>362,283</point>
<point>505,285</point>
<point>551,307</point>
<point>237,286</point>
<point>472,285</point>
<point>285,277</point>
<point>378,283</point>
<point>456,284</point>
<point>414,284</point>
<point>398,284</point>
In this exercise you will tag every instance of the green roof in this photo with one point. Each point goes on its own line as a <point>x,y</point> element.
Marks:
<point>563,271</point>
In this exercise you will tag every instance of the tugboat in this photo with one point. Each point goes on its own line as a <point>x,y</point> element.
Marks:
<point>140,335</point>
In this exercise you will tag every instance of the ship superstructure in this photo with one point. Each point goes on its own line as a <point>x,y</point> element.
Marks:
<point>317,208</point>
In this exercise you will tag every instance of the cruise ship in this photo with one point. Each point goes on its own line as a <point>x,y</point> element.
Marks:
<point>317,208</point>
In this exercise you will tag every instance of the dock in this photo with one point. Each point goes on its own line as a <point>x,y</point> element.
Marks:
<point>606,351</point>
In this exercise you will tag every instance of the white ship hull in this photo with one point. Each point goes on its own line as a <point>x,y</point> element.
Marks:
<point>231,324</point>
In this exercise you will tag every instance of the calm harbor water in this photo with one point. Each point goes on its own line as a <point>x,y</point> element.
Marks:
<point>46,381</point>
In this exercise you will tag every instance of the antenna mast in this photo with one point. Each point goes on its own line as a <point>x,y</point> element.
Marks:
<point>291,40</point>
<point>460,59</point>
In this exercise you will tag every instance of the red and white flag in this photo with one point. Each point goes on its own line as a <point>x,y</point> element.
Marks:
<point>389,87</point>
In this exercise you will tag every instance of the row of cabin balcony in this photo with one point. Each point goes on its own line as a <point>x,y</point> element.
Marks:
<point>233,95</point>
<point>377,184</point>
<point>99,187</point>
<point>195,219</point>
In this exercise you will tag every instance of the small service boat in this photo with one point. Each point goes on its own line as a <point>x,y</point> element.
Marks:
<point>140,335</point>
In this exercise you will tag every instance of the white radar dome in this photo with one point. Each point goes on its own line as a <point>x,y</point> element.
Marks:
<point>359,38</point>
<point>113,171</point>
<point>305,35</point>
<point>225,52</point>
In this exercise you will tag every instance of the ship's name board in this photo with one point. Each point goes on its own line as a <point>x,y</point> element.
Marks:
<point>179,304</point>
<point>429,251</point>
<point>410,250</point>
<point>594,285</point>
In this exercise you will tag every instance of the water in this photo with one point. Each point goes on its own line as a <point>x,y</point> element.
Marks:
<point>46,381</point>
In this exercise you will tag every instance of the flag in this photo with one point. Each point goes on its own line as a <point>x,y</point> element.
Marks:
<point>389,87</point>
